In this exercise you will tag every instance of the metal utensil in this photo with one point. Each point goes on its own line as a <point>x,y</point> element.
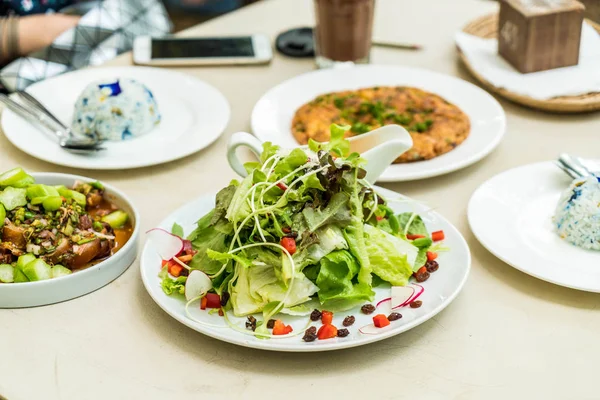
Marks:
<point>42,118</point>
<point>567,170</point>
<point>574,164</point>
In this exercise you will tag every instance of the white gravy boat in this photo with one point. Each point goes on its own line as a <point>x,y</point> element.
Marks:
<point>379,147</point>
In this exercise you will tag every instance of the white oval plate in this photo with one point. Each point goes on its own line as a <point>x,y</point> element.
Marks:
<point>273,113</point>
<point>443,286</point>
<point>511,215</point>
<point>39,293</point>
<point>194,114</point>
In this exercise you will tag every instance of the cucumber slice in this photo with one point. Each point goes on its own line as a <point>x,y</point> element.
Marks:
<point>7,273</point>
<point>23,183</point>
<point>40,190</point>
<point>12,198</point>
<point>2,215</point>
<point>9,177</point>
<point>52,203</point>
<point>20,276</point>
<point>116,219</point>
<point>24,260</point>
<point>59,270</point>
<point>79,198</point>
<point>38,270</point>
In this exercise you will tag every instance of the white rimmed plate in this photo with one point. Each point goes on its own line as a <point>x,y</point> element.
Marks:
<point>443,286</point>
<point>273,113</point>
<point>194,114</point>
<point>39,293</point>
<point>511,215</point>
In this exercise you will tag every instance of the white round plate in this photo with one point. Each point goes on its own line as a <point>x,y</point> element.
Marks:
<point>272,115</point>
<point>194,114</point>
<point>443,286</point>
<point>39,293</point>
<point>511,215</point>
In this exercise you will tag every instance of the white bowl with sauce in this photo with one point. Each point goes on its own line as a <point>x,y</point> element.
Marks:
<point>81,282</point>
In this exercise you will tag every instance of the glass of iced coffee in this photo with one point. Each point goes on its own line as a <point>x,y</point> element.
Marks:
<point>343,31</point>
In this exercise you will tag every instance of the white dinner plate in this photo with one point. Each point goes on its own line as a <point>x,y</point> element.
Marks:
<point>440,289</point>
<point>194,114</point>
<point>511,215</point>
<point>272,115</point>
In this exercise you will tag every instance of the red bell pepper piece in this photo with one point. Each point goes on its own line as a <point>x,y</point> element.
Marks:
<point>279,328</point>
<point>289,244</point>
<point>213,300</point>
<point>437,236</point>
<point>326,317</point>
<point>380,321</point>
<point>431,256</point>
<point>203,302</point>
<point>327,331</point>
<point>175,269</point>
<point>413,237</point>
<point>281,186</point>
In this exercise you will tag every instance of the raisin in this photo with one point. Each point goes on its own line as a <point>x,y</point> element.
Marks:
<point>343,332</point>
<point>349,320</point>
<point>221,312</point>
<point>224,298</point>
<point>432,266</point>
<point>251,323</point>
<point>422,275</point>
<point>271,324</point>
<point>310,335</point>
<point>416,304</point>
<point>315,315</point>
<point>394,316</point>
<point>367,309</point>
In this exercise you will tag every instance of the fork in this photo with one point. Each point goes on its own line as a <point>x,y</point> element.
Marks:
<point>34,112</point>
<point>576,167</point>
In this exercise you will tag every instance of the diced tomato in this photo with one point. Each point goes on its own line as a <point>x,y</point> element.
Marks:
<point>380,321</point>
<point>163,263</point>
<point>279,328</point>
<point>326,317</point>
<point>281,186</point>
<point>437,236</point>
<point>212,300</point>
<point>327,331</point>
<point>203,303</point>
<point>431,256</point>
<point>289,244</point>
<point>413,237</point>
<point>379,218</point>
<point>175,269</point>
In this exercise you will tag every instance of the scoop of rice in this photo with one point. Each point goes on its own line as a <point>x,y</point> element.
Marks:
<point>117,110</point>
<point>577,216</point>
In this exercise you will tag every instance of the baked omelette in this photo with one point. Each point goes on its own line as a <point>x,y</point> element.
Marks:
<point>436,126</point>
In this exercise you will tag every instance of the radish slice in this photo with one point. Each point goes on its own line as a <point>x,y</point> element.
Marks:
<point>401,295</point>
<point>372,329</point>
<point>383,301</point>
<point>165,243</point>
<point>197,284</point>
<point>417,292</point>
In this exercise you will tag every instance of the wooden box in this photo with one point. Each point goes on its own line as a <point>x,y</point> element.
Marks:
<point>592,9</point>
<point>536,35</point>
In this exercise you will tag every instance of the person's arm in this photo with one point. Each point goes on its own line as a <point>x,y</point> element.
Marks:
<point>24,35</point>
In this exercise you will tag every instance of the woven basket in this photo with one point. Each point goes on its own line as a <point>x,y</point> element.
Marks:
<point>487,27</point>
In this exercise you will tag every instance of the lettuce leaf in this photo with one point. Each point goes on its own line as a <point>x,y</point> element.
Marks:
<point>316,218</point>
<point>391,258</point>
<point>170,285</point>
<point>337,144</point>
<point>335,281</point>
<point>177,230</point>
<point>416,226</point>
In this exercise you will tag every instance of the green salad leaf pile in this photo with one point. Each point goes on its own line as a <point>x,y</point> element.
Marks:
<point>345,237</point>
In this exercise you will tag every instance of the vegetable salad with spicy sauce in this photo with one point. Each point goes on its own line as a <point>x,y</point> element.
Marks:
<point>50,231</point>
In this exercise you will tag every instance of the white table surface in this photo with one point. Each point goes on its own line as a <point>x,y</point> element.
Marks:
<point>506,336</point>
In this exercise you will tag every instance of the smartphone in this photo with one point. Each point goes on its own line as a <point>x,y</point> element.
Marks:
<point>254,49</point>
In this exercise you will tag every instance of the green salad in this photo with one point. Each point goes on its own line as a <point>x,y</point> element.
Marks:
<point>303,230</point>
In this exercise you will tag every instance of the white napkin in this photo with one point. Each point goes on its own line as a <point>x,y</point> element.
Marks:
<point>568,81</point>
